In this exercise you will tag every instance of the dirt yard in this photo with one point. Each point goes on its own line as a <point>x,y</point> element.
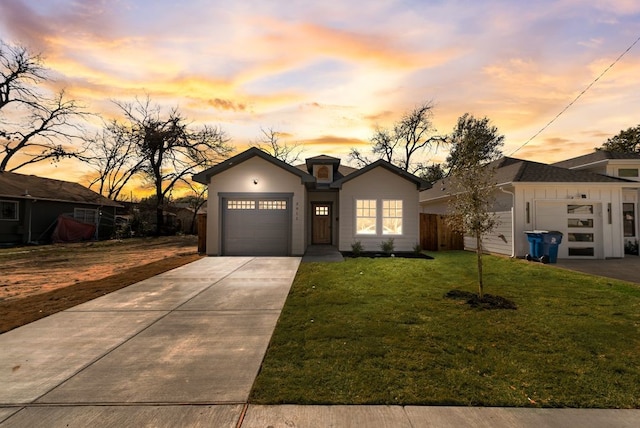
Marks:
<point>41,280</point>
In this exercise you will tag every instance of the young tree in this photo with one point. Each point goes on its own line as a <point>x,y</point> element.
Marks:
<point>412,135</point>
<point>269,142</point>
<point>34,127</point>
<point>627,141</point>
<point>168,149</point>
<point>474,144</point>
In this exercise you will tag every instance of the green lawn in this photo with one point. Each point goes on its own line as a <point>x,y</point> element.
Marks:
<point>379,331</point>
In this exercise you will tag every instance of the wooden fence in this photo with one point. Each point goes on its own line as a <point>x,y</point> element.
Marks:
<point>202,233</point>
<point>435,235</point>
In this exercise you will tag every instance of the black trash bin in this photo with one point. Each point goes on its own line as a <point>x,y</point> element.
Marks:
<point>550,242</point>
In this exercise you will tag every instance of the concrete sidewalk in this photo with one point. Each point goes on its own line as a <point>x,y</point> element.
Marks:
<point>183,349</point>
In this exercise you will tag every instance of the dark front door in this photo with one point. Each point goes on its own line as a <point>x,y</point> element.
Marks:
<point>321,224</point>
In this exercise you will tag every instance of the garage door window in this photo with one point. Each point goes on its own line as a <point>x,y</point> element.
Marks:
<point>581,237</point>
<point>582,252</point>
<point>272,205</point>
<point>580,209</point>
<point>580,222</point>
<point>241,205</point>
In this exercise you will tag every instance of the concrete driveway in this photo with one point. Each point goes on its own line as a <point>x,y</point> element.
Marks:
<point>626,269</point>
<point>195,335</point>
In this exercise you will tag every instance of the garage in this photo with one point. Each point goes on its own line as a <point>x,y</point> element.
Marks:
<point>256,225</point>
<point>580,223</point>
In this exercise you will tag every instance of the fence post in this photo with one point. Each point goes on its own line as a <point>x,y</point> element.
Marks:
<point>202,233</point>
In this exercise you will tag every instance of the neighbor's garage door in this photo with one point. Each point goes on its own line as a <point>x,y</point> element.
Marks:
<point>256,226</point>
<point>580,223</point>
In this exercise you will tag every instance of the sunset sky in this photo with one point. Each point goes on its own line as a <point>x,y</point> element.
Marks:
<point>324,74</point>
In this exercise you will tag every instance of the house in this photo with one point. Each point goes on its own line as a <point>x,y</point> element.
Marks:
<point>259,205</point>
<point>592,200</point>
<point>30,207</point>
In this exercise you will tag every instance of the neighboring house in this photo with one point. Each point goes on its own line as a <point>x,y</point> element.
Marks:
<point>259,205</point>
<point>30,206</point>
<point>592,200</point>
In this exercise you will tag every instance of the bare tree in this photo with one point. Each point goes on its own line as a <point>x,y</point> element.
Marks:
<point>33,127</point>
<point>195,200</point>
<point>412,135</point>
<point>112,153</point>
<point>474,143</point>
<point>169,150</point>
<point>269,142</point>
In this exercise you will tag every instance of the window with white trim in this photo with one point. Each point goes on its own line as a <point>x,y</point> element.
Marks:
<point>8,210</point>
<point>86,215</point>
<point>366,216</point>
<point>239,204</point>
<point>392,217</point>
<point>272,205</point>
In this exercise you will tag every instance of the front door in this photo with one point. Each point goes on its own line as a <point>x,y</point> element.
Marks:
<point>321,224</point>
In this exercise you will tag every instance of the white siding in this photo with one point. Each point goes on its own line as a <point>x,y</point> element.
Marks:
<point>270,179</point>
<point>601,195</point>
<point>379,183</point>
<point>499,241</point>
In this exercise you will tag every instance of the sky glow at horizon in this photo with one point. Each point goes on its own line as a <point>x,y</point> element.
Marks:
<point>325,74</point>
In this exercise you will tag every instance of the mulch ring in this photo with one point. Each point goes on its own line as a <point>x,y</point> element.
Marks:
<point>488,301</point>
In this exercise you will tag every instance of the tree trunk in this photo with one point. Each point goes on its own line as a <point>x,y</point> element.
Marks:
<point>479,256</point>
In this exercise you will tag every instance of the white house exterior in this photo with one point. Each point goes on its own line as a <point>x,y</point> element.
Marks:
<point>259,205</point>
<point>596,213</point>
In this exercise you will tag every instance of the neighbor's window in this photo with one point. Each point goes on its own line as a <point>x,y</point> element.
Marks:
<point>391,217</point>
<point>629,219</point>
<point>86,215</point>
<point>8,210</point>
<point>628,172</point>
<point>366,216</point>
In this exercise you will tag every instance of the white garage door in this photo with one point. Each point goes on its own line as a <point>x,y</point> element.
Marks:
<point>256,226</point>
<point>580,224</point>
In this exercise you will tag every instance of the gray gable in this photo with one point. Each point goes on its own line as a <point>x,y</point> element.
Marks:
<point>204,176</point>
<point>420,183</point>
<point>595,157</point>
<point>511,170</point>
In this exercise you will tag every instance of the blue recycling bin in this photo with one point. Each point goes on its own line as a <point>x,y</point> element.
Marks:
<point>550,242</point>
<point>543,245</point>
<point>535,244</point>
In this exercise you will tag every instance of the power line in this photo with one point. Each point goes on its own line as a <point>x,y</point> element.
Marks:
<point>579,96</point>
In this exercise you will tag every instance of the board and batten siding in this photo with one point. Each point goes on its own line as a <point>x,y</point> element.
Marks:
<point>379,184</point>
<point>599,194</point>
<point>499,241</point>
<point>270,179</point>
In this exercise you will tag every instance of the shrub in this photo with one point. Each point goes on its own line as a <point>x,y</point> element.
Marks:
<point>387,246</point>
<point>356,248</point>
<point>417,248</point>
<point>631,247</point>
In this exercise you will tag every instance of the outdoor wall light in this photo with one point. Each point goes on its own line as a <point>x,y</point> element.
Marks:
<point>255,181</point>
